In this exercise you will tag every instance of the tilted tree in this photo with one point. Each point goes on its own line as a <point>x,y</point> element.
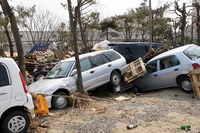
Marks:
<point>4,22</point>
<point>15,30</point>
<point>73,18</point>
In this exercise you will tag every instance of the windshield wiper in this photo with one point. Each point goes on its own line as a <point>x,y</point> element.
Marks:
<point>60,77</point>
<point>48,78</point>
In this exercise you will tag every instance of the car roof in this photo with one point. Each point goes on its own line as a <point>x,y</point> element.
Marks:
<point>6,59</point>
<point>172,51</point>
<point>139,43</point>
<point>87,55</point>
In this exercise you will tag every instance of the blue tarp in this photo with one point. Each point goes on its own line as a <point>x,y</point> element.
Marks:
<point>39,47</point>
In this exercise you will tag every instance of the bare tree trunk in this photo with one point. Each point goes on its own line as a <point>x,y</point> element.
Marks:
<point>183,22</point>
<point>85,49</point>
<point>192,30</point>
<point>197,7</point>
<point>73,26</point>
<point>14,28</point>
<point>8,35</point>
<point>107,33</point>
<point>9,41</point>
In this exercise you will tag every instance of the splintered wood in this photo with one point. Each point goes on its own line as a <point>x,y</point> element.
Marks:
<point>195,81</point>
<point>136,69</point>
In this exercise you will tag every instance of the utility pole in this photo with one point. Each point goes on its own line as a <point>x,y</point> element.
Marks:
<point>150,25</point>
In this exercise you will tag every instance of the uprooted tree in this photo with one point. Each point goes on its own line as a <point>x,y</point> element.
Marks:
<point>8,12</point>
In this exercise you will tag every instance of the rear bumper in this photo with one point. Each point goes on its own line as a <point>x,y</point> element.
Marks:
<point>124,69</point>
<point>29,105</point>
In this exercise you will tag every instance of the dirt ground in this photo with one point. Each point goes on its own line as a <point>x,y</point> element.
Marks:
<point>163,111</point>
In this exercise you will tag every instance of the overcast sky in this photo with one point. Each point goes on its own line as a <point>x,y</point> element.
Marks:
<point>106,8</point>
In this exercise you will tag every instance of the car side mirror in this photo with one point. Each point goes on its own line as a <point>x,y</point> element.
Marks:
<point>74,72</point>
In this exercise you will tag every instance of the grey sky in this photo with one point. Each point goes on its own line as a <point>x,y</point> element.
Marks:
<point>105,7</point>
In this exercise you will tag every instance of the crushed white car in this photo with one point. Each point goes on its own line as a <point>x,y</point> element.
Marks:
<point>170,69</point>
<point>98,68</point>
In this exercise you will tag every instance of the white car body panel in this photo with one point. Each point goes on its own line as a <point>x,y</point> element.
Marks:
<point>13,95</point>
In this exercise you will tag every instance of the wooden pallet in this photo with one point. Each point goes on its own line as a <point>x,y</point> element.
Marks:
<point>136,69</point>
<point>195,81</point>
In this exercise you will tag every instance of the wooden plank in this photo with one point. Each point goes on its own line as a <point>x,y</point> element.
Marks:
<point>192,72</point>
<point>195,81</point>
<point>136,69</point>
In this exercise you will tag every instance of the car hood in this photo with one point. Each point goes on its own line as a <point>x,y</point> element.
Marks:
<point>45,86</point>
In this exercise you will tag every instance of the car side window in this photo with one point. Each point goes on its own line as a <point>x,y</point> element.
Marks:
<point>105,59</point>
<point>4,80</point>
<point>97,60</point>
<point>168,62</point>
<point>85,64</point>
<point>111,55</point>
<point>175,61</point>
<point>151,67</point>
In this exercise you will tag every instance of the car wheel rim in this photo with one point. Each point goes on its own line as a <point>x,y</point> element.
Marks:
<point>116,80</point>
<point>61,102</point>
<point>186,85</point>
<point>16,124</point>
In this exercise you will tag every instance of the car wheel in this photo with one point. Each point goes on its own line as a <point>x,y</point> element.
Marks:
<point>135,89</point>
<point>60,101</point>
<point>185,84</point>
<point>15,122</point>
<point>115,78</point>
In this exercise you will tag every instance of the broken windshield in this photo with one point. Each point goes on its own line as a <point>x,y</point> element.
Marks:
<point>193,52</point>
<point>61,70</point>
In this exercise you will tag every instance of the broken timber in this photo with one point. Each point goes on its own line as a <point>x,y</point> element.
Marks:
<point>195,81</point>
<point>136,69</point>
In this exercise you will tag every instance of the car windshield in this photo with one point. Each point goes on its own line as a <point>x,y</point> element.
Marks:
<point>61,70</point>
<point>193,52</point>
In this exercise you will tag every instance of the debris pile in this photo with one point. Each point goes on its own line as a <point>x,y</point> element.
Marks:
<point>79,100</point>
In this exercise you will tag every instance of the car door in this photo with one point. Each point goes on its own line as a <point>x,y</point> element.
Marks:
<point>89,75</point>
<point>149,81</point>
<point>170,68</point>
<point>5,87</point>
<point>102,67</point>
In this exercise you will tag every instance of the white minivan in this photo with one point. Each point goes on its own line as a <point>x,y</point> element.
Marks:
<point>16,104</point>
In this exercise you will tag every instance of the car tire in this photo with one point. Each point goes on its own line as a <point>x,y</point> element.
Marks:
<point>16,122</point>
<point>61,101</point>
<point>115,78</point>
<point>135,89</point>
<point>185,84</point>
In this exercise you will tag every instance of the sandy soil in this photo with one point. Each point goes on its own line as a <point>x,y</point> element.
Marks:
<point>163,111</point>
